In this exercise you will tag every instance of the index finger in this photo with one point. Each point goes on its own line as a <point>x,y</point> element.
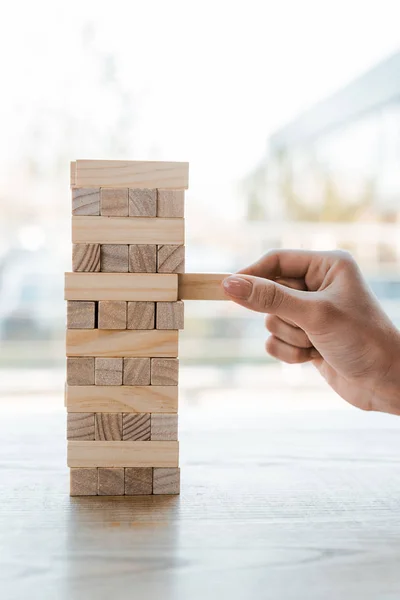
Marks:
<point>284,263</point>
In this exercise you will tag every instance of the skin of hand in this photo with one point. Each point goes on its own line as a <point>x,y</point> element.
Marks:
<point>320,309</point>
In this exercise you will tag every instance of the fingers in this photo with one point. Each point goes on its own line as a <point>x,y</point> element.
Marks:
<point>286,332</point>
<point>287,353</point>
<point>282,263</point>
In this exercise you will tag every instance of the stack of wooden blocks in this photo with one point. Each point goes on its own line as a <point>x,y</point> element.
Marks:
<point>124,317</point>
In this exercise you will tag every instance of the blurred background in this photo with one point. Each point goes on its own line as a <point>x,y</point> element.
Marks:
<point>289,114</point>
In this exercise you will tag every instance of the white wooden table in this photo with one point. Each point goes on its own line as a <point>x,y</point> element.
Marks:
<point>293,506</point>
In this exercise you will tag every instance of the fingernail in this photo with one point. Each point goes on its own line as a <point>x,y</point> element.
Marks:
<point>237,287</point>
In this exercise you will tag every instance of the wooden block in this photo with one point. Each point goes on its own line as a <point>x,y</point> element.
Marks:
<point>202,286</point>
<point>108,371</point>
<point>119,230</point>
<point>138,481</point>
<point>108,426</point>
<point>86,258</point>
<point>136,426</point>
<point>170,259</point>
<point>164,427</point>
<point>141,315</point>
<point>114,258</point>
<point>83,482</point>
<point>80,371</point>
<point>111,482</point>
<point>81,315</point>
<point>72,173</point>
<point>143,258</point>
<point>164,371</point>
<point>170,203</point>
<point>86,201</point>
<point>170,315</point>
<point>122,454</point>
<point>114,202</point>
<point>166,481</point>
<point>115,344</point>
<point>135,399</point>
<point>112,314</point>
<point>136,371</point>
<point>121,286</point>
<point>132,174</point>
<point>142,203</point>
<point>80,426</point>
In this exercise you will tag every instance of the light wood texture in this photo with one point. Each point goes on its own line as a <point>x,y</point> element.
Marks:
<point>166,481</point>
<point>143,258</point>
<point>136,371</point>
<point>164,371</point>
<point>138,481</point>
<point>86,258</point>
<point>136,426</point>
<point>170,259</point>
<point>80,315</point>
<point>129,344</point>
<point>119,230</point>
<point>171,203</point>
<point>72,171</point>
<point>132,174</point>
<point>164,427</point>
<point>170,315</point>
<point>142,203</point>
<point>121,286</point>
<point>80,370</point>
<point>114,258</point>
<point>83,482</point>
<point>112,314</point>
<point>108,426</point>
<point>122,454</point>
<point>80,426</point>
<point>85,202</point>
<point>108,371</point>
<point>141,315</point>
<point>114,202</point>
<point>201,286</point>
<point>111,482</point>
<point>135,399</point>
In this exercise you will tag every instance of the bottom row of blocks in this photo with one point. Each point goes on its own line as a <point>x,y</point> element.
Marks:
<point>124,481</point>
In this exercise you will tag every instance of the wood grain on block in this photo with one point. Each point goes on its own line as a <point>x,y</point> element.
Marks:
<point>142,203</point>
<point>202,286</point>
<point>108,426</point>
<point>132,174</point>
<point>141,315</point>
<point>80,370</point>
<point>114,202</point>
<point>108,371</point>
<point>80,315</point>
<point>170,203</point>
<point>72,171</point>
<point>138,481</point>
<point>134,399</point>
<point>83,482</point>
<point>111,482</point>
<point>86,258</point>
<point>164,371</point>
<point>164,427</point>
<point>166,481</point>
<point>121,286</point>
<point>112,314</point>
<point>80,426</point>
<point>86,202</point>
<point>122,454</point>
<point>136,426</point>
<point>114,258</point>
<point>115,344</point>
<point>170,315</point>
<point>120,230</point>
<point>136,371</point>
<point>143,258</point>
<point>170,259</point>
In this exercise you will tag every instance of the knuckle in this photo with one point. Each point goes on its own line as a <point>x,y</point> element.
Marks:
<point>267,297</point>
<point>270,323</point>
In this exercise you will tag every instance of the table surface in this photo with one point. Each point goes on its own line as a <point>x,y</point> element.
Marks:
<point>291,505</point>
